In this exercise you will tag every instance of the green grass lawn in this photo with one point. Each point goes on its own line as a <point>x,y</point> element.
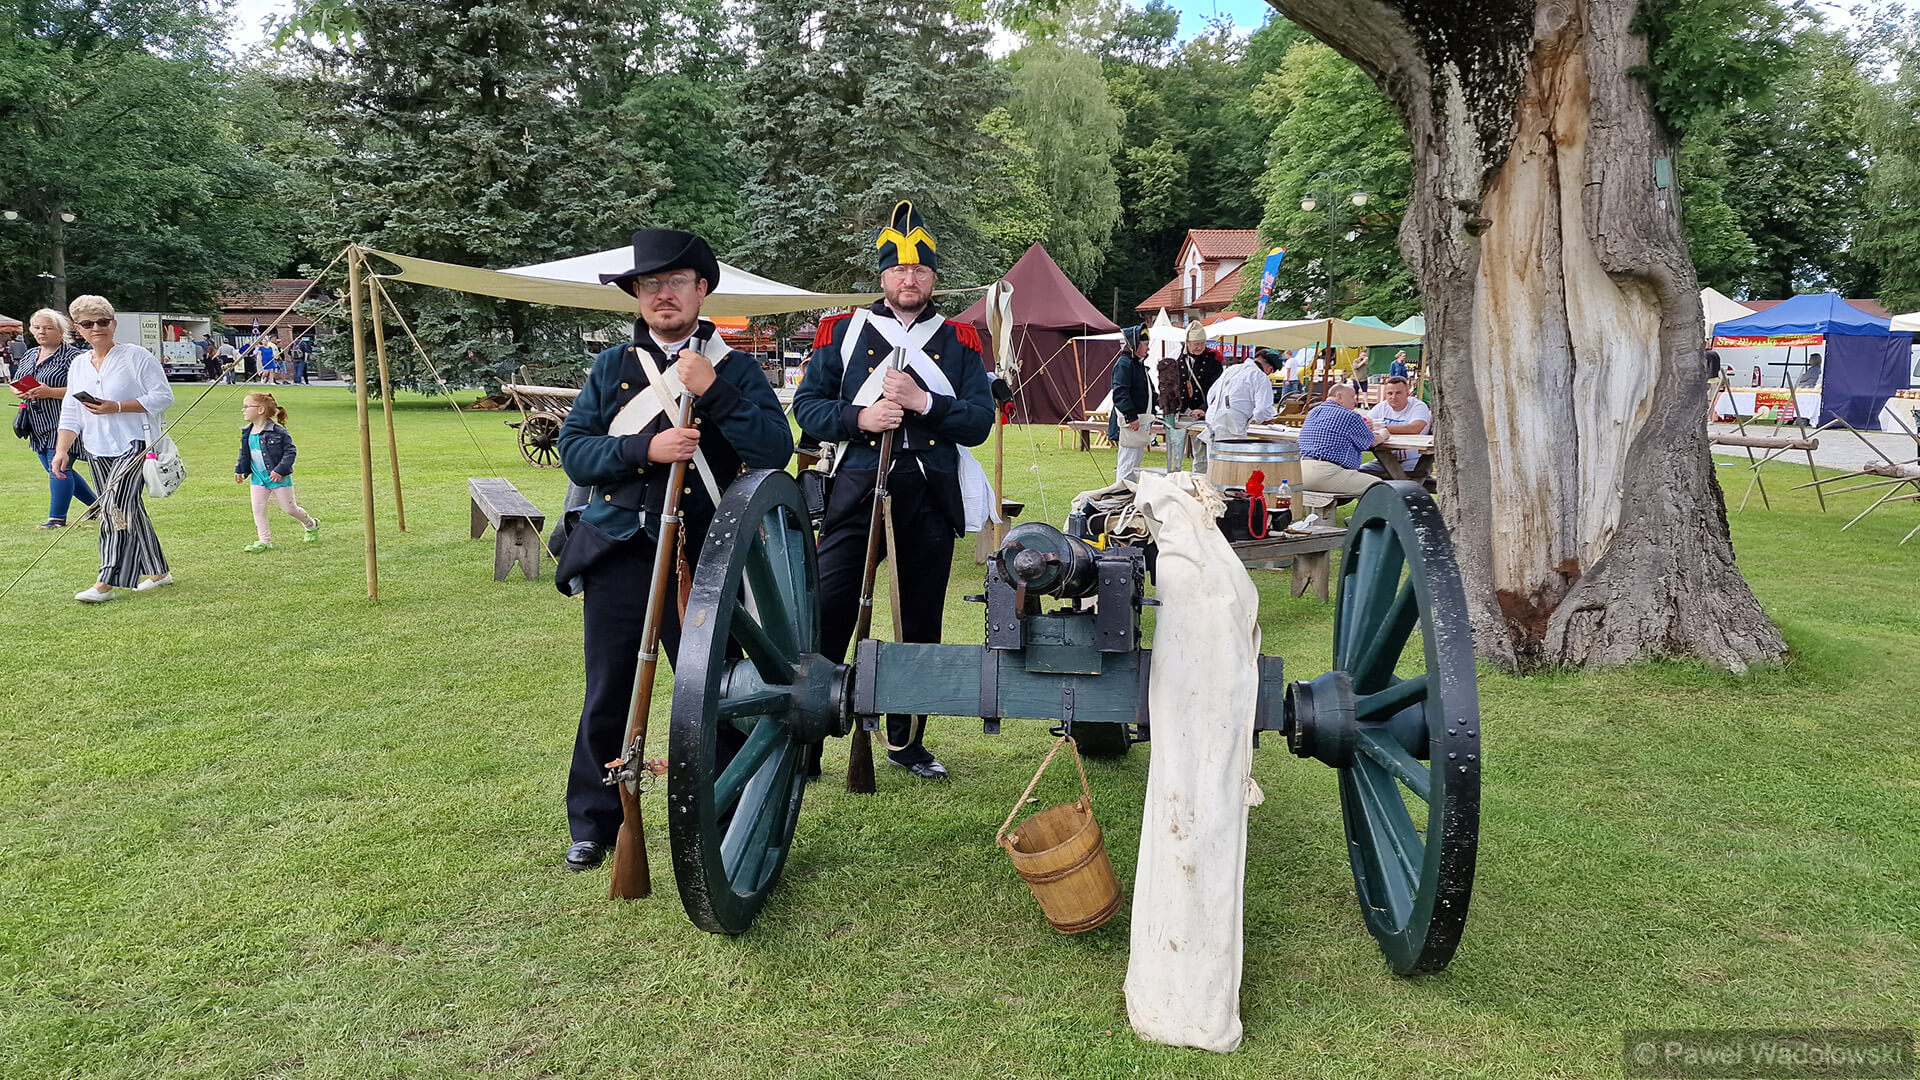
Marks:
<point>257,826</point>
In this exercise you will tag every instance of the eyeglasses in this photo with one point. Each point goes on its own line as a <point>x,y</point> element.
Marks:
<point>680,282</point>
<point>92,324</point>
<point>917,270</point>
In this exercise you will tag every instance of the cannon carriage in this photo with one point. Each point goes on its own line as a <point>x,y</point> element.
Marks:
<point>1397,715</point>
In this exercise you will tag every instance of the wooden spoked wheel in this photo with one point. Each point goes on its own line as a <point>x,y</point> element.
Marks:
<point>752,697</point>
<point>1399,717</point>
<point>540,440</point>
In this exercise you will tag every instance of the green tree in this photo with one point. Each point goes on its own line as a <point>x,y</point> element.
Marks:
<point>496,136</point>
<point>849,106</point>
<point>1060,104</point>
<point>1889,233</point>
<point>1190,152</point>
<point>1723,253</point>
<point>1013,208</point>
<point>1333,134</point>
<point>123,115</point>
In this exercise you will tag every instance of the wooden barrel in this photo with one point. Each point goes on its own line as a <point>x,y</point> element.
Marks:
<point>1061,855</point>
<point>1231,462</point>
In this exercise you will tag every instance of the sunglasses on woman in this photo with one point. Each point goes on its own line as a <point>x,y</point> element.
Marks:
<point>92,324</point>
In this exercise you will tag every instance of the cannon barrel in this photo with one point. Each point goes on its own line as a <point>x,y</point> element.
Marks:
<point>1049,562</point>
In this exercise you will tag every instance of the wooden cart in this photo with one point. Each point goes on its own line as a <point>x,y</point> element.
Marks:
<point>542,409</point>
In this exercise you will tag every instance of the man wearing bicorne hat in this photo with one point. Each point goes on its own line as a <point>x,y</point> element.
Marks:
<point>620,441</point>
<point>1183,381</point>
<point>941,404</point>
<point>1130,408</point>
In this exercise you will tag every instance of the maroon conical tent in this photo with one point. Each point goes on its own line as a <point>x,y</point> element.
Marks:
<point>1060,378</point>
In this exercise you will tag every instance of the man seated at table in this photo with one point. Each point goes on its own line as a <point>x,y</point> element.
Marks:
<point>1332,440</point>
<point>1401,414</point>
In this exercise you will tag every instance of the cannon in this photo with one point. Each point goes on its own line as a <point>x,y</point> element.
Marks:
<point>1397,716</point>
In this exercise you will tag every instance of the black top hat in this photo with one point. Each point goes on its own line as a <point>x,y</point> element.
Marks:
<point>655,250</point>
<point>905,240</point>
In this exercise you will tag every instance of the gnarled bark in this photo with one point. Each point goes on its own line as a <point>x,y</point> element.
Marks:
<point>1564,327</point>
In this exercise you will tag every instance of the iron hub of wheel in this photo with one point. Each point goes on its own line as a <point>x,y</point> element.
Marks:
<point>820,698</point>
<point>1319,719</point>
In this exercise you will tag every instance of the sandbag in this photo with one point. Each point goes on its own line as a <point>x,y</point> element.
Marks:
<point>1183,973</point>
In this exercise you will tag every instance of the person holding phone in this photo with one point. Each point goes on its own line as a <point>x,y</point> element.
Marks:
<point>117,397</point>
<point>40,381</point>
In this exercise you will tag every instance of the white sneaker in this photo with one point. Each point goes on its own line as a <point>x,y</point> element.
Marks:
<point>91,595</point>
<point>154,583</point>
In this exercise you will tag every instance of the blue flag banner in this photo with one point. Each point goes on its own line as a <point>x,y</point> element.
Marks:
<point>1268,272</point>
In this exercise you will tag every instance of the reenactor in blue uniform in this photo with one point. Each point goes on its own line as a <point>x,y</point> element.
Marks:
<point>621,441</point>
<point>940,404</point>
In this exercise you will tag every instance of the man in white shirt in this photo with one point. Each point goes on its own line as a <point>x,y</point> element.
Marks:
<point>1242,396</point>
<point>1402,414</point>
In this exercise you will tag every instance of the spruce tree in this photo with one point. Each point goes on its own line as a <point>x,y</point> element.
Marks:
<point>848,106</point>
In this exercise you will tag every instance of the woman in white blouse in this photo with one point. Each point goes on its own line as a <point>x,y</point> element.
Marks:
<point>117,397</point>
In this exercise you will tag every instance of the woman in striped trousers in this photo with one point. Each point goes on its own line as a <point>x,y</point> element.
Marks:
<point>117,396</point>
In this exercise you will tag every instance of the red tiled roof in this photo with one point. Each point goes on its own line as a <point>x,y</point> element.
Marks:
<point>1225,243</point>
<point>1223,290</point>
<point>1166,296</point>
<point>279,294</point>
<point>1871,307</point>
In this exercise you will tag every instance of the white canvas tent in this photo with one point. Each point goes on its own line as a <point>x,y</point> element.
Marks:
<point>575,283</point>
<point>1163,337</point>
<point>1908,323</point>
<point>1717,308</point>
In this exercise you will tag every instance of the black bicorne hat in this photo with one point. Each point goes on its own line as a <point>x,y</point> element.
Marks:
<point>655,250</point>
<point>905,240</point>
<point>1132,336</point>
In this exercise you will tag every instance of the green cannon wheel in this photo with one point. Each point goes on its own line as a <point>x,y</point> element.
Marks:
<point>1399,717</point>
<point>752,697</point>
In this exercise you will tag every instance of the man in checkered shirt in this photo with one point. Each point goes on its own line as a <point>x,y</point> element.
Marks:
<point>1332,440</point>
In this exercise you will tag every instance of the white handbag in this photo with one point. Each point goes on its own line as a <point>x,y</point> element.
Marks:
<point>164,470</point>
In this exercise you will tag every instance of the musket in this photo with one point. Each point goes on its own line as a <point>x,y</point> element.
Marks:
<point>879,532</point>
<point>630,880</point>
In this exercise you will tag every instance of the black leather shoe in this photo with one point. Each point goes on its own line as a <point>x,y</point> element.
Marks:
<point>586,854</point>
<point>930,769</point>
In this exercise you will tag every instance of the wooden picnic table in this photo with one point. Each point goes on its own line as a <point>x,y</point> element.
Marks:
<point>1386,453</point>
<point>1087,429</point>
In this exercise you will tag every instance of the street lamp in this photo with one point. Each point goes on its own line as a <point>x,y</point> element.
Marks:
<point>56,278</point>
<point>1310,202</point>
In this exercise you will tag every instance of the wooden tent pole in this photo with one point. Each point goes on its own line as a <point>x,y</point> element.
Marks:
<point>354,264</point>
<point>386,398</point>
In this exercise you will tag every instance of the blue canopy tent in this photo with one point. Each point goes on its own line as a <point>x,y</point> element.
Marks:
<point>1865,363</point>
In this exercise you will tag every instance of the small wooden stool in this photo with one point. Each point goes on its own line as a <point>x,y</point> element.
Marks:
<point>516,522</point>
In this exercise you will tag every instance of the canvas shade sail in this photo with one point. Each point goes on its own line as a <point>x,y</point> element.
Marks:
<point>575,283</point>
<point>1289,334</point>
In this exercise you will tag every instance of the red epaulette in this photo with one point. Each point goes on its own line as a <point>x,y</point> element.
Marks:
<point>823,336</point>
<point>968,336</point>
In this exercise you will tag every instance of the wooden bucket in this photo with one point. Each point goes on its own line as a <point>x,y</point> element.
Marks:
<point>1061,856</point>
<point>1230,462</point>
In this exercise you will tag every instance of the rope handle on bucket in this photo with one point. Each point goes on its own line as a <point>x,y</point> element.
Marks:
<point>1086,792</point>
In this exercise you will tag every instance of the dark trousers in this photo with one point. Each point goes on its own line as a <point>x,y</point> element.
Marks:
<point>616,620</point>
<point>924,540</point>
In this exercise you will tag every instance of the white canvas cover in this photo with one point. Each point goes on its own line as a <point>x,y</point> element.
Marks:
<point>1910,322</point>
<point>1183,972</point>
<point>575,283</point>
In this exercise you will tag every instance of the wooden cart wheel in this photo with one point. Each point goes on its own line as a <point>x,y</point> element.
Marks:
<point>1399,716</point>
<point>752,696</point>
<point>540,440</point>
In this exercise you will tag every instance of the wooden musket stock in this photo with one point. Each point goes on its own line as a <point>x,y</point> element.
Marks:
<point>879,528</point>
<point>631,880</point>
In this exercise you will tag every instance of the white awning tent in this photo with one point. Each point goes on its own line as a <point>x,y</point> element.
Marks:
<point>1289,334</point>
<point>1716,308</point>
<point>1908,323</point>
<point>1165,337</point>
<point>575,283</point>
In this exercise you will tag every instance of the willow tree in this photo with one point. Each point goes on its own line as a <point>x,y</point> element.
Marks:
<point>1563,314</point>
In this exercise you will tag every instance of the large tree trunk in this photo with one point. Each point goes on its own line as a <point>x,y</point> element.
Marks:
<point>1565,327</point>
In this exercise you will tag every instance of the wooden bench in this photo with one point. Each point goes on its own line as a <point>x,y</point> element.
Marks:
<point>516,523</point>
<point>1311,552</point>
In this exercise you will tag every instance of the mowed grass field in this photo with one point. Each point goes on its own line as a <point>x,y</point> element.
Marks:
<point>257,826</point>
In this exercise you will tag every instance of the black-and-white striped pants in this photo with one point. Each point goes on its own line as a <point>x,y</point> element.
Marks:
<point>129,548</point>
